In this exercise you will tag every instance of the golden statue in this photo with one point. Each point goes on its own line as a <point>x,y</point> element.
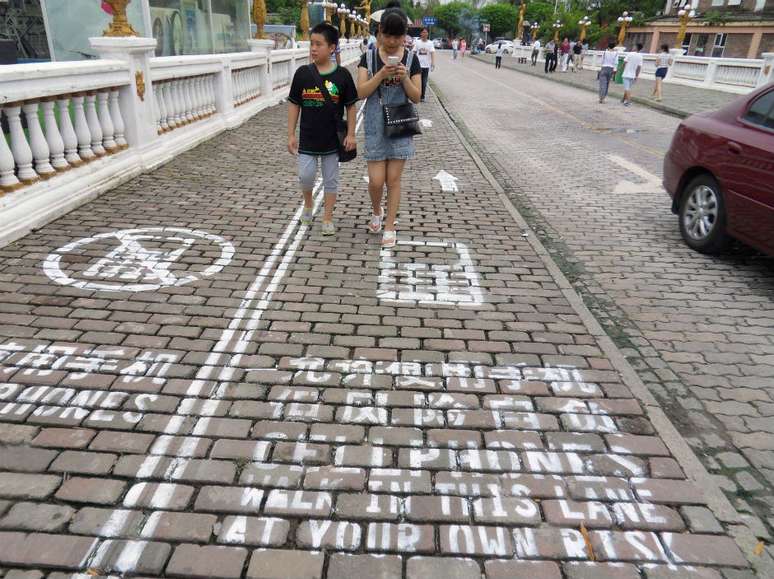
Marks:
<point>304,20</point>
<point>520,27</point>
<point>352,29</point>
<point>259,17</point>
<point>120,25</point>
<point>366,6</point>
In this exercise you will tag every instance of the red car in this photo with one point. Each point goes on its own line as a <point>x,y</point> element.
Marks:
<point>719,172</point>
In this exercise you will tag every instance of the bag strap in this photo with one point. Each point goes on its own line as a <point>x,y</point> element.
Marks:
<point>321,85</point>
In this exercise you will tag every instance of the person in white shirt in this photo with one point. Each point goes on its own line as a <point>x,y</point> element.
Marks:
<point>631,73</point>
<point>607,69</point>
<point>499,55</point>
<point>455,46</point>
<point>535,51</point>
<point>426,53</point>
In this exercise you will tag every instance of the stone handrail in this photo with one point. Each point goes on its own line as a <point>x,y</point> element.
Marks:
<point>73,130</point>
<point>735,75</point>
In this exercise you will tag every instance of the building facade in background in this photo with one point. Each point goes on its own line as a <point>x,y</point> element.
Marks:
<point>722,28</point>
<point>60,29</point>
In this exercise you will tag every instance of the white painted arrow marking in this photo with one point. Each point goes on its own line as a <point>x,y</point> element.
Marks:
<point>447,180</point>
<point>652,182</point>
<point>426,123</point>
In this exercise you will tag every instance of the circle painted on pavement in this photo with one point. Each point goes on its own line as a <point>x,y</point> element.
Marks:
<point>137,260</point>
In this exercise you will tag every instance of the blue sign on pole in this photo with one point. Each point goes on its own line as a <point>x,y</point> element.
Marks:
<point>429,20</point>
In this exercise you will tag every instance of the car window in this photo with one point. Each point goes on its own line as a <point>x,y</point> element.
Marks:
<point>761,112</point>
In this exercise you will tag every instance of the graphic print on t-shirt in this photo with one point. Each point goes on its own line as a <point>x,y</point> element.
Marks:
<point>313,97</point>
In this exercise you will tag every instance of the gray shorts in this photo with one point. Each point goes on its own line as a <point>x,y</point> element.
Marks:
<point>307,171</point>
<point>629,83</point>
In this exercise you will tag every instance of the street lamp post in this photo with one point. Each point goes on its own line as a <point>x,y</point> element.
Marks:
<point>342,10</point>
<point>685,17</point>
<point>304,24</point>
<point>624,20</point>
<point>534,27</point>
<point>584,23</point>
<point>520,25</point>
<point>259,18</point>
<point>352,17</point>
<point>557,26</point>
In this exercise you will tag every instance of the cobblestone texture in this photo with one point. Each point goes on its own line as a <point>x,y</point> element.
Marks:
<point>697,329</point>
<point>263,421</point>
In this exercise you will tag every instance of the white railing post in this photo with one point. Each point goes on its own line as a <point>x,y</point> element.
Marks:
<point>264,46</point>
<point>224,88</point>
<point>767,69</point>
<point>674,53</point>
<point>709,76</point>
<point>137,100</point>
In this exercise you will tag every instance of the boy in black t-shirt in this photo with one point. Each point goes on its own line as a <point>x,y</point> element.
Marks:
<point>319,139</point>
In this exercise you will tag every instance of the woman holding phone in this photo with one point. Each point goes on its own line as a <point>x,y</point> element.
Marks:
<point>388,74</point>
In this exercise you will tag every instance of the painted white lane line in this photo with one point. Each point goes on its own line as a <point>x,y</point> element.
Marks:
<point>132,551</point>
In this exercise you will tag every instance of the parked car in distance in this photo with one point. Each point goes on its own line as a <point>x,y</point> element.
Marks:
<point>507,46</point>
<point>719,171</point>
<point>437,44</point>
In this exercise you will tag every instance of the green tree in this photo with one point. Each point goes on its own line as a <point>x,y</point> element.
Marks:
<point>502,19</point>
<point>450,16</point>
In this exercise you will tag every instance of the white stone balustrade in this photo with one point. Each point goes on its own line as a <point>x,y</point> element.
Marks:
<point>76,129</point>
<point>736,75</point>
<point>62,132</point>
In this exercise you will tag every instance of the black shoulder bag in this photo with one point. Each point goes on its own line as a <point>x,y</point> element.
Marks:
<point>399,120</point>
<point>341,124</point>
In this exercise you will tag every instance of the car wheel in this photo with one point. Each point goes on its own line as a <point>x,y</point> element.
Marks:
<point>703,216</point>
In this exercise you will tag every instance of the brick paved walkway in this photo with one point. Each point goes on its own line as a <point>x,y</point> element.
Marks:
<point>219,391</point>
<point>679,100</point>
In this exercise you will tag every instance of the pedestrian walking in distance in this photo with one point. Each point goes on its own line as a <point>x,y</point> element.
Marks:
<point>499,55</point>
<point>663,61</point>
<point>535,52</point>
<point>565,50</point>
<point>319,140</point>
<point>463,48</point>
<point>577,56</point>
<point>631,73</point>
<point>455,47</point>
<point>549,54</point>
<point>387,76</point>
<point>606,71</point>
<point>426,54</point>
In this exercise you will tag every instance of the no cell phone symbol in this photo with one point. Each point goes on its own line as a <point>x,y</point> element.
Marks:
<point>137,260</point>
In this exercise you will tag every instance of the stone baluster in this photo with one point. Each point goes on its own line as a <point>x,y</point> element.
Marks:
<point>54,138</point>
<point>163,125</point>
<point>205,96</point>
<point>105,122</point>
<point>168,104</point>
<point>157,114</point>
<point>82,129</point>
<point>235,84</point>
<point>68,132</point>
<point>177,95</point>
<point>22,153</point>
<point>213,95</point>
<point>118,120</point>
<point>38,144</point>
<point>199,92</point>
<point>195,97</point>
<point>185,101</point>
<point>8,180</point>
<point>92,121</point>
<point>189,104</point>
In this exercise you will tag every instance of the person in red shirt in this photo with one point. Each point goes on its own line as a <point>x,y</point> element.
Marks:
<point>564,50</point>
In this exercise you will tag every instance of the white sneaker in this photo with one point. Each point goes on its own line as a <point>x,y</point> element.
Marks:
<point>375,226</point>
<point>328,228</point>
<point>306,215</point>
